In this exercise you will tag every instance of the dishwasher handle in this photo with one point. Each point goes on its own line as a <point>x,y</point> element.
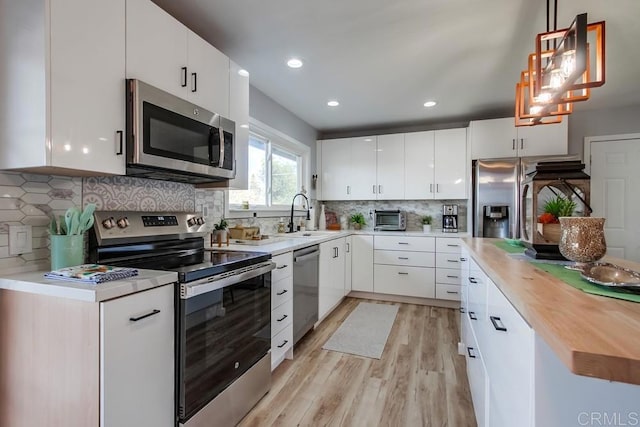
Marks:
<point>307,256</point>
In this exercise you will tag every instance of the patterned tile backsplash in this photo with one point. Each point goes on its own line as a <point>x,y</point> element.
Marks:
<point>29,199</point>
<point>117,193</point>
<point>415,209</point>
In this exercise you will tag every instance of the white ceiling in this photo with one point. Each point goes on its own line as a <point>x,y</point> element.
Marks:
<point>383,59</point>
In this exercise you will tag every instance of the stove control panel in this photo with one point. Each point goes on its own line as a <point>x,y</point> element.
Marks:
<point>196,220</point>
<point>159,220</point>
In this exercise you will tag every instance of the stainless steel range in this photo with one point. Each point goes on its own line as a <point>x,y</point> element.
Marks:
<point>223,309</point>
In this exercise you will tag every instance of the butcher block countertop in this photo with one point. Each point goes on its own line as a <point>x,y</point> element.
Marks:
<point>593,336</point>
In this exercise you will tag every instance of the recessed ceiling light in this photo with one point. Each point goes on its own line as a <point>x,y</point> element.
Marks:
<point>430,103</point>
<point>333,103</point>
<point>368,139</point>
<point>243,72</point>
<point>294,63</point>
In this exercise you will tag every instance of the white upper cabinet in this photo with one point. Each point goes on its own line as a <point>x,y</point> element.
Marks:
<point>156,48</point>
<point>164,53</point>
<point>451,164</point>
<point>336,155</point>
<point>390,160</point>
<point>239,113</point>
<point>64,108</point>
<point>436,164</point>
<point>361,169</point>
<point>419,165</point>
<point>499,138</point>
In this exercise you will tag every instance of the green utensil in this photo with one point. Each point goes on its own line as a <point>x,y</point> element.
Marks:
<point>53,226</point>
<point>72,217</point>
<point>62,224</point>
<point>85,222</point>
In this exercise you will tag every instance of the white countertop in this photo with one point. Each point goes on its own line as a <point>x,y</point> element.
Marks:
<point>35,283</point>
<point>291,242</point>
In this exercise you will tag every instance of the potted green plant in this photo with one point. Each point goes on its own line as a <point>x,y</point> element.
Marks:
<point>548,222</point>
<point>427,220</point>
<point>357,220</point>
<point>220,232</point>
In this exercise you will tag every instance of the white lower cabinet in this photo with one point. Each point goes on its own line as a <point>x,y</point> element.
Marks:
<point>331,275</point>
<point>403,280</point>
<point>448,263</point>
<point>476,372</point>
<point>137,359</point>
<point>348,264</point>
<point>362,263</point>
<point>282,309</point>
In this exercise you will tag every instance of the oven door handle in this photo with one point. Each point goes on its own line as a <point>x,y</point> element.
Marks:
<point>199,287</point>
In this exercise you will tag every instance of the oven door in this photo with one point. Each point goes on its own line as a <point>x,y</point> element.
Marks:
<point>224,328</point>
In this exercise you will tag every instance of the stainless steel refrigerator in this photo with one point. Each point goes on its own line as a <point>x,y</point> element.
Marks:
<point>496,193</point>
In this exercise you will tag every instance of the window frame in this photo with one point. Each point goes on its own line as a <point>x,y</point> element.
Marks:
<point>287,144</point>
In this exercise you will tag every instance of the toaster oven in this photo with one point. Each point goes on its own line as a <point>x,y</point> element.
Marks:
<point>389,220</point>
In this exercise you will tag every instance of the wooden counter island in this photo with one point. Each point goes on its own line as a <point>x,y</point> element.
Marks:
<point>542,353</point>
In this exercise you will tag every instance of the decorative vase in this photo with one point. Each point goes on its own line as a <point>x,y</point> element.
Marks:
<point>322,220</point>
<point>426,228</point>
<point>550,232</point>
<point>582,239</point>
<point>356,226</point>
<point>66,250</point>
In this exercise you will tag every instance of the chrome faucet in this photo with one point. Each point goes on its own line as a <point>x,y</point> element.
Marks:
<point>291,230</point>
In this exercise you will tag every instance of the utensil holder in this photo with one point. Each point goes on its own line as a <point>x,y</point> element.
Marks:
<point>66,250</point>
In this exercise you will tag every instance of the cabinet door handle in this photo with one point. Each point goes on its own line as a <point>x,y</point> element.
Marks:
<point>403,257</point>
<point>452,246</point>
<point>403,243</point>
<point>379,189</point>
<point>281,293</point>
<point>120,142</point>
<point>348,189</point>
<point>469,350</point>
<point>348,248</point>
<point>374,189</point>
<point>403,273</point>
<point>283,344</point>
<point>430,188</point>
<point>281,267</point>
<point>452,277</point>
<point>472,315</point>
<point>461,310</point>
<point>144,316</point>
<point>497,323</point>
<point>452,292</point>
<point>522,143</point>
<point>437,188</point>
<point>194,82</point>
<point>184,77</point>
<point>513,144</point>
<point>463,259</point>
<point>473,280</point>
<point>453,260</point>
<point>284,316</point>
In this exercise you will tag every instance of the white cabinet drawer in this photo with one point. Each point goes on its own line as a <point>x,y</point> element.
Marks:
<point>416,259</point>
<point>444,260</point>
<point>448,245</point>
<point>476,373</point>
<point>284,266</point>
<point>404,243</point>
<point>448,275</point>
<point>281,291</point>
<point>450,292</point>
<point>406,281</point>
<point>280,344</point>
<point>281,317</point>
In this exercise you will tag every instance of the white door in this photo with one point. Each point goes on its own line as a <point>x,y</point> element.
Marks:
<point>208,76</point>
<point>87,85</point>
<point>451,164</point>
<point>390,161</point>
<point>362,168</point>
<point>336,156</point>
<point>156,48</point>
<point>419,164</point>
<point>615,179</point>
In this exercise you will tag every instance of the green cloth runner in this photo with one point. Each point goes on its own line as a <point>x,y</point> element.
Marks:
<point>572,277</point>
<point>508,247</point>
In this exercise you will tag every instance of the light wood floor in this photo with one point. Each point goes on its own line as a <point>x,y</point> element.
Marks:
<point>419,381</point>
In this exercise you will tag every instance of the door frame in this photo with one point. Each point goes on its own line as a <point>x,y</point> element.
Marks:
<point>612,138</point>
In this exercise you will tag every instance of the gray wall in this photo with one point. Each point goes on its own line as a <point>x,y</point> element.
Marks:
<point>269,112</point>
<point>613,121</point>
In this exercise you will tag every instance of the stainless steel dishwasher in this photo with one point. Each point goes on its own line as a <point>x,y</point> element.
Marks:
<point>305,290</point>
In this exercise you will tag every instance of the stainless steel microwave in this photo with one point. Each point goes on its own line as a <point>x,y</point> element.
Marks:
<point>390,220</point>
<point>169,138</point>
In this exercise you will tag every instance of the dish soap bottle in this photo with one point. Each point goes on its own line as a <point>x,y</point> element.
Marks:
<point>322,221</point>
<point>281,226</point>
